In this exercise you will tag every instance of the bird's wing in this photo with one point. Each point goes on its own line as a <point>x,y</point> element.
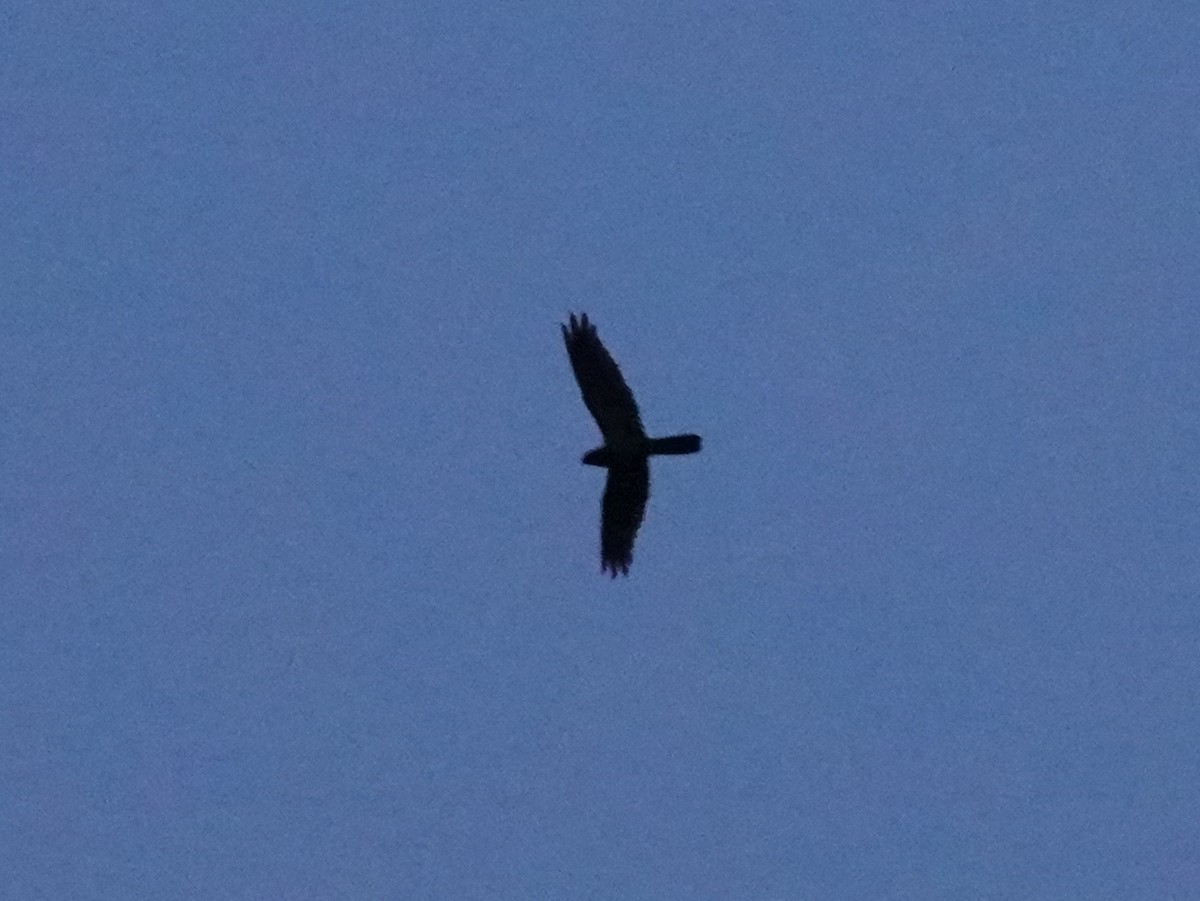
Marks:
<point>624,504</point>
<point>604,391</point>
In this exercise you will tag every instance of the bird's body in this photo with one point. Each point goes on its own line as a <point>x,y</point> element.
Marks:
<point>627,448</point>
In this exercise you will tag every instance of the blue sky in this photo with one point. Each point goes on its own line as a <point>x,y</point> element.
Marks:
<point>299,572</point>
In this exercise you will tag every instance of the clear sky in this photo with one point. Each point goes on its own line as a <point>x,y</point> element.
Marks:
<point>299,569</point>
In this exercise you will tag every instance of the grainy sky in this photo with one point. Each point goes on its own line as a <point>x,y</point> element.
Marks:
<point>299,568</point>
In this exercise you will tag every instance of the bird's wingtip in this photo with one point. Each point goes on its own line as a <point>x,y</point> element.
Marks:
<point>578,323</point>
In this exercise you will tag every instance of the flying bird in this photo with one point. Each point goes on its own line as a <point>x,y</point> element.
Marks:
<point>626,450</point>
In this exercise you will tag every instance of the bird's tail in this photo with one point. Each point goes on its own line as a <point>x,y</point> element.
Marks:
<point>675,444</point>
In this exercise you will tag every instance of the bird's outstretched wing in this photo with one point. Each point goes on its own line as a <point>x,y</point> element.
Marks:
<point>625,495</point>
<point>604,391</point>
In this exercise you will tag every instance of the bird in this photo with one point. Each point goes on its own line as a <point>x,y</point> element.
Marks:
<point>626,450</point>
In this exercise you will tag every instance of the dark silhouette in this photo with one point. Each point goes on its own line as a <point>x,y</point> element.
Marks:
<point>626,449</point>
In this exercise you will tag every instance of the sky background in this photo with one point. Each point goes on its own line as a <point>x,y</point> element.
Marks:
<point>299,574</point>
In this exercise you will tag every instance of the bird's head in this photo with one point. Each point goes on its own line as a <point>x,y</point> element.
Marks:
<point>597,456</point>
